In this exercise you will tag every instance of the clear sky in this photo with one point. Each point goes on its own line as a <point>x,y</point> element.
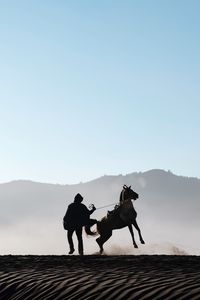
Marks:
<point>89,88</point>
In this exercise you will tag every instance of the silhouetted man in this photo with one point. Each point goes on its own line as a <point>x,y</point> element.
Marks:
<point>77,216</point>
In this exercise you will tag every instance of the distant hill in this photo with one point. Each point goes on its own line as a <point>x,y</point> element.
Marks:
<point>168,210</point>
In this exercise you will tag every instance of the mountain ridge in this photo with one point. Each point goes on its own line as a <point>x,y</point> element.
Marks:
<point>157,172</point>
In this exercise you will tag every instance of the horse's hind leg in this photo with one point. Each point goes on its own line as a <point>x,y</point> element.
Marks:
<point>139,232</point>
<point>132,234</point>
<point>102,239</point>
<point>98,240</point>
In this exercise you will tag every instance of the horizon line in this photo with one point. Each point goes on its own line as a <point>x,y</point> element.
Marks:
<point>96,178</point>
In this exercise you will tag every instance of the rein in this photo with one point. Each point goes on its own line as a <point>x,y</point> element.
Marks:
<point>121,201</point>
<point>111,204</point>
<point>106,206</point>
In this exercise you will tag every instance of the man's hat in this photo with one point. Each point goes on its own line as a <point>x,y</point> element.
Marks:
<point>78,198</point>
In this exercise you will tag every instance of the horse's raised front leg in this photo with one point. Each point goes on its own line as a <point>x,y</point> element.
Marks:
<point>139,232</point>
<point>132,234</point>
<point>102,239</point>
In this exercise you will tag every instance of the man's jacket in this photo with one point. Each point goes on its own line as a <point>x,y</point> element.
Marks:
<point>77,215</point>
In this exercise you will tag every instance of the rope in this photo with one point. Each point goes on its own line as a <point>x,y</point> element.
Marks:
<point>106,206</point>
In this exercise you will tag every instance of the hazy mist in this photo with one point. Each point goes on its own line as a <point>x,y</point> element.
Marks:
<point>168,214</point>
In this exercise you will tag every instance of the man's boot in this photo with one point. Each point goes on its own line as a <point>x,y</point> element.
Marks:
<point>71,251</point>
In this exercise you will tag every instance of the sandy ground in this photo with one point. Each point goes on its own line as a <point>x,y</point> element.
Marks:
<point>99,277</point>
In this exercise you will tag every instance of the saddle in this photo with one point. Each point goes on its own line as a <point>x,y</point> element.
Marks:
<point>115,211</point>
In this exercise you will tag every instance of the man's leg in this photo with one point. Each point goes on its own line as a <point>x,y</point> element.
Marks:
<point>80,240</point>
<point>70,240</point>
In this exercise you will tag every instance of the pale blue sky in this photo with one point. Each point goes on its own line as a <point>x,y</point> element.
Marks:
<point>89,88</point>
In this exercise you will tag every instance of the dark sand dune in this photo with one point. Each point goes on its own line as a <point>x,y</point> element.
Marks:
<point>99,277</point>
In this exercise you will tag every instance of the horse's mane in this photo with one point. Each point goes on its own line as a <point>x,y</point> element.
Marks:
<point>121,196</point>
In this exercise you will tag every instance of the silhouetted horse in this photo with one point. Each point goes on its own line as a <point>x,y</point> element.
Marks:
<point>124,215</point>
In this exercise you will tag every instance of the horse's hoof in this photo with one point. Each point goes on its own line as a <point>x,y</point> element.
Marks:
<point>100,246</point>
<point>142,242</point>
<point>135,246</point>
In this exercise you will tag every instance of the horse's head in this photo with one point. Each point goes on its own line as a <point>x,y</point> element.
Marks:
<point>128,193</point>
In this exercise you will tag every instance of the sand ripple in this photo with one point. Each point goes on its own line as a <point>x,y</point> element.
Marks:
<point>99,277</point>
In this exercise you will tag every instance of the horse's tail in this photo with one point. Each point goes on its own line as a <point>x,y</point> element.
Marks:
<point>98,227</point>
<point>88,230</point>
